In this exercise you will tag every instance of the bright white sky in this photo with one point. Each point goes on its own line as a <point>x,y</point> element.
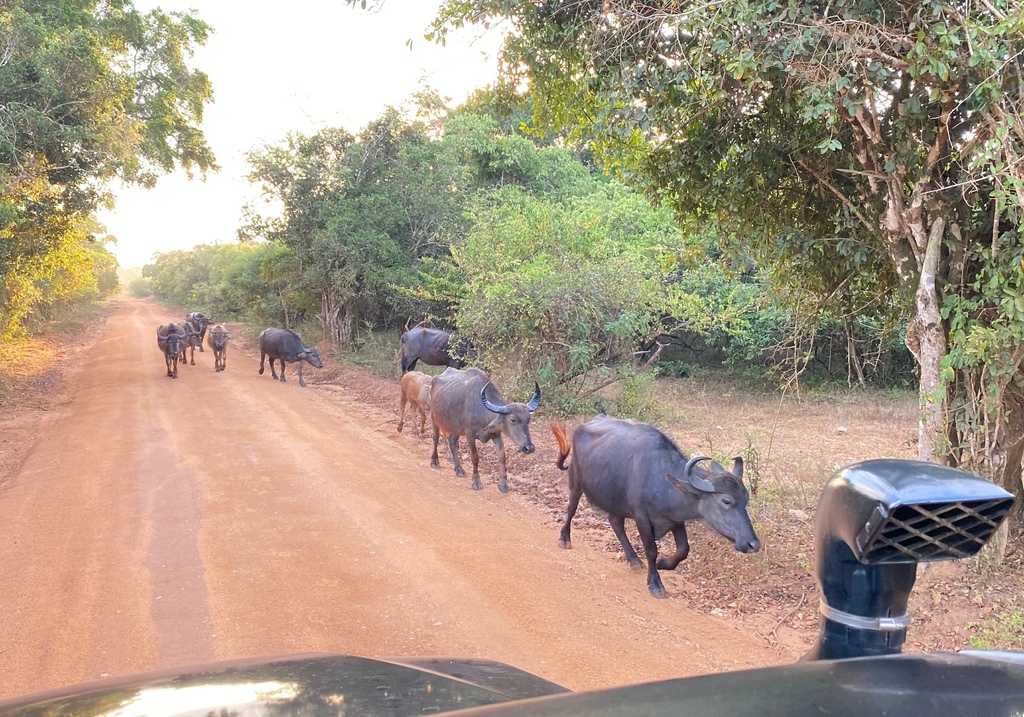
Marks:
<point>289,67</point>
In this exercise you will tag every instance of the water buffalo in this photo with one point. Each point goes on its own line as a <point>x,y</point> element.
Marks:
<point>415,391</point>
<point>170,339</point>
<point>286,346</point>
<point>459,407</point>
<point>434,347</point>
<point>199,325</point>
<point>633,470</point>
<point>218,340</point>
<point>191,339</point>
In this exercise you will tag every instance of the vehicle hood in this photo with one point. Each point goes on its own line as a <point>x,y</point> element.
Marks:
<point>306,685</point>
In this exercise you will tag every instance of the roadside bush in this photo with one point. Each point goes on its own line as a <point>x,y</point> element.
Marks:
<point>141,288</point>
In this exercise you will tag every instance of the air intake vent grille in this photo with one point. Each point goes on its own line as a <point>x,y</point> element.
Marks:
<point>931,531</point>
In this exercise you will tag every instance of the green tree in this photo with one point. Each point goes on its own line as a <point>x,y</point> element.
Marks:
<point>91,90</point>
<point>564,290</point>
<point>359,213</point>
<point>888,134</point>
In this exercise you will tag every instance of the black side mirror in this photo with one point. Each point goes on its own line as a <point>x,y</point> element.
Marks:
<point>876,521</point>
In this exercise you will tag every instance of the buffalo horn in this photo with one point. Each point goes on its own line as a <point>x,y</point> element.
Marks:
<point>535,401</point>
<point>698,483</point>
<point>490,406</point>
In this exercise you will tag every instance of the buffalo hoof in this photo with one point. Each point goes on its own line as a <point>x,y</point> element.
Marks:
<point>282,380</point>
<point>657,591</point>
<point>202,350</point>
<point>301,382</point>
<point>462,474</point>
<point>565,543</point>
<point>635,563</point>
<point>503,486</point>
<point>398,428</point>
<point>434,463</point>
<point>261,370</point>
<point>477,485</point>
<point>193,362</point>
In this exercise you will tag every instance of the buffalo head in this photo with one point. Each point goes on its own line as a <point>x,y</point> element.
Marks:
<point>721,500</point>
<point>513,418</point>
<point>171,343</point>
<point>311,355</point>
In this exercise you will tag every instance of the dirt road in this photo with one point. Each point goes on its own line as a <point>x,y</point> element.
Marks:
<point>158,522</point>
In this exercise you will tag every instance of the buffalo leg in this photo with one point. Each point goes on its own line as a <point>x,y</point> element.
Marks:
<point>453,449</point>
<point>499,446</point>
<point>167,360</point>
<point>654,584</point>
<point>423,422</point>
<point>262,356</point>
<point>474,457</point>
<point>202,337</point>
<point>618,524</point>
<point>401,413</point>
<point>192,355</point>
<point>433,457</point>
<point>273,373</point>
<point>298,367</point>
<point>682,549</point>
<point>575,492</point>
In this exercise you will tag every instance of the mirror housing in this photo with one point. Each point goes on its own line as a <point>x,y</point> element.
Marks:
<point>876,521</point>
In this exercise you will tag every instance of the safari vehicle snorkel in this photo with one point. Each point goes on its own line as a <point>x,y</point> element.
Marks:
<point>876,521</point>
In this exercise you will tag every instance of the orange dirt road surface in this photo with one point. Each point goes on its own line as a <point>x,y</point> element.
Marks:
<point>159,523</point>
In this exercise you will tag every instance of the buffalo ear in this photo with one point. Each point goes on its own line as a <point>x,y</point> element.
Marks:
<point>682,485</point>
<point>495,425</point>
<point>694,486</point>
<point>737,467</point>
<point>302,354</point>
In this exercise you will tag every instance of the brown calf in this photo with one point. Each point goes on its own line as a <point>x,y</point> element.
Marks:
<point>416,392</point>
<point>218,340</point>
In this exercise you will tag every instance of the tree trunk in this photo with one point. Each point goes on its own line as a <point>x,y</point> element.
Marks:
<point>345,326</point>
<point>336,318</point>
<point>926,339</point>
<point>284,307</point>
<point>1013,445</point>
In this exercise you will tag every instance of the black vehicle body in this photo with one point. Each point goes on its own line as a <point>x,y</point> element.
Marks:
<point>939,685</point>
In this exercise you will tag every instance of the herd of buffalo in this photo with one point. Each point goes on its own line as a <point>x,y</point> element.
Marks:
<point>283,345</point>
<point>626,468</point>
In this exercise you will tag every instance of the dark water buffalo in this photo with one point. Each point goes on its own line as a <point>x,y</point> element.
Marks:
<point>199,325</point>
<point>633,470</point>
<point>218,340</point>
<point>459,406</point>
<point>415,391</point>
<point>170,338</point>
<point>190,341</point>
<point>434,347</point>
<point>286,347</point>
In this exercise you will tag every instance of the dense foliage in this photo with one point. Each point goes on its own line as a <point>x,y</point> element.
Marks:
<point>90,90</point>
<point>868,153</point>
<point>554,270</point>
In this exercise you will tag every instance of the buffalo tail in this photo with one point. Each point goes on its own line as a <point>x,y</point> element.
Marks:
<point>563,446</point>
